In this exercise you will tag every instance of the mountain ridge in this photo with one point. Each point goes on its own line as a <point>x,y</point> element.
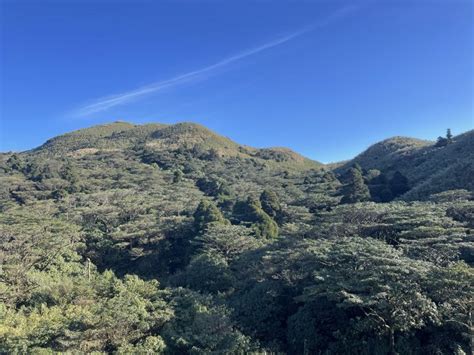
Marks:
<point>424,163</point>
<point>189,133</point>
<point>182,135</point>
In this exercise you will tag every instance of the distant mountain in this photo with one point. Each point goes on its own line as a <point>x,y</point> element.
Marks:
<point>189,137</point>
<point>429,169</point>
<point>387,154</point>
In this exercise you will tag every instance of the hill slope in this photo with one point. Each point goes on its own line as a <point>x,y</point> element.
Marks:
<point>429,169</point>
<point>161,137</point>
<point>170,239</point>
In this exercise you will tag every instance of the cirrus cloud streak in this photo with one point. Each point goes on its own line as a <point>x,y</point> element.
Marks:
<point>105,103</point>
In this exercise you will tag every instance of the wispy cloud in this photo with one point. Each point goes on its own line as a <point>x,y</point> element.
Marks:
<point>105,103</point>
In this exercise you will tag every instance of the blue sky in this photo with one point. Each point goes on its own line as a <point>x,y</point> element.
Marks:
<point>325,78</point>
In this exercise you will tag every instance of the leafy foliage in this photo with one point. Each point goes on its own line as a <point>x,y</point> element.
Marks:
<point>356,190</point>
<point>171,239</point>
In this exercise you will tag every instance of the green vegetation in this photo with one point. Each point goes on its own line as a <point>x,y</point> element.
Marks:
<point>429,168</point>
<point>356,190</point>
<point>171,239</point>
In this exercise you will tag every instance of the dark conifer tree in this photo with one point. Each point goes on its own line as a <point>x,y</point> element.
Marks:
<point>355,190</point>
<point>207,212</point>
<point>380,189</point>
<point>252,211</point>
<point>271,204</point>
<point>449,136</point>
<point>441,142</point>
<point>398,184</point>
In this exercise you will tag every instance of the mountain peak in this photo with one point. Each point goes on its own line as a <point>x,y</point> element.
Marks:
<point>188,136</point>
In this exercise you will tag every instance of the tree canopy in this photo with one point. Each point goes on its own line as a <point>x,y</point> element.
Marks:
<point>170,239</point>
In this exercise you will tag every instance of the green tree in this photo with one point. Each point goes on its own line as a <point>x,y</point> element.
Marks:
<point>227,241</point>
<point>317,327</point>
<point>29,242</point>
<point>452,289</point>
<point>271,204</point>
<point>200,326</point>
<point>251,211</point>
<point>71,175</point>
<point>369,277</point>
<point>213,186</point>
<point>442,141</point>
<point>398,184</point>
<point>207,273</point>
<point>380,189</point>
<point>262,309</point>
<point>15,162</point>
<point>206,213</point>
<point>449,136</point>
<point>355,190</point>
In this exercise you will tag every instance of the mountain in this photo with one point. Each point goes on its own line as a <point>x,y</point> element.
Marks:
<point>185,136</point>
<point>171,239</point>
<point>194,149</point>
<point>389,153</point>
<point>430,169</point>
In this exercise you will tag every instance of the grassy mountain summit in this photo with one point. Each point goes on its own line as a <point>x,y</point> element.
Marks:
<point>162,137</point>
<point>172,239</point>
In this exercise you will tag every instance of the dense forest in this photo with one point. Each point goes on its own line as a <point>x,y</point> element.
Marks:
<point>148,239</point>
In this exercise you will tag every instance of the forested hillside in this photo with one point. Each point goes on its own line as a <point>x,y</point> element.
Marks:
<point>430,168</point>
<point>172,239</point>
